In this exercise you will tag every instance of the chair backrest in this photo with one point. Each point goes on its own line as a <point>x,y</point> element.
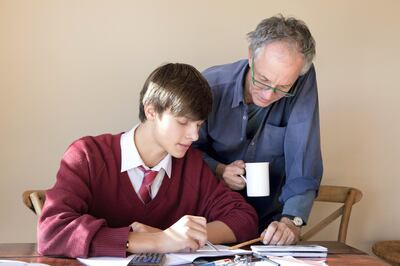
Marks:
<point>34,199</point>
<point>346,195</point>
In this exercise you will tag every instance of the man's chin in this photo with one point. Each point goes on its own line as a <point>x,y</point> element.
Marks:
<point>263,104</point>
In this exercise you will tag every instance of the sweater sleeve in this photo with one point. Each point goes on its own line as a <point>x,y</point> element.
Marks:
<point>65,227</point>
<point>222,204</point>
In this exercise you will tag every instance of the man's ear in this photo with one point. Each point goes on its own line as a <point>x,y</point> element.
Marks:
<point>250,54</point>
<point>150,112</point>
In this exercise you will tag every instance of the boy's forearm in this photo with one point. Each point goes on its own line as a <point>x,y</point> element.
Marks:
<point>218,233</point>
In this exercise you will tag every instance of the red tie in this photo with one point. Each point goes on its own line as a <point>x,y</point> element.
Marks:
<point>148,179</point>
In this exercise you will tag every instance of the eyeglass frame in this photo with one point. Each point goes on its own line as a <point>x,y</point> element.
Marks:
<point>267,87</point>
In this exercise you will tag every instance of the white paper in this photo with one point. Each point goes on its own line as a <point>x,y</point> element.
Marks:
<point>171,258</point>
<point>290,261</point>
<point>20,263</point>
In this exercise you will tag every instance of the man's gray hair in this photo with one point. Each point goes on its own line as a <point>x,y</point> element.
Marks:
<point>279,28</point>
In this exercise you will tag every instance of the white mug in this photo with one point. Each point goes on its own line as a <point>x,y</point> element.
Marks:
<point>257,179</point>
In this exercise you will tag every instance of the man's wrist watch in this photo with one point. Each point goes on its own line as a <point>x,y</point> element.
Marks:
<point>297,221</point>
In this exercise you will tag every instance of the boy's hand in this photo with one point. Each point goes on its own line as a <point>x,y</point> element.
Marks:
<point>230,174</point>
<point>142,228</point>
<point>190,232</point>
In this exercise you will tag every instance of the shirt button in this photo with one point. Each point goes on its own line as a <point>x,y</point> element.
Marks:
<point>244,117</point>
<point>252,144</point>
<point>241,139</point>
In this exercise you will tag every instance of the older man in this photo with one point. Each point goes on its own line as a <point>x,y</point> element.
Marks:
<point>266,110</point>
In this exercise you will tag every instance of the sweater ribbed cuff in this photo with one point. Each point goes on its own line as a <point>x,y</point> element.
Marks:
<point>109,242</point>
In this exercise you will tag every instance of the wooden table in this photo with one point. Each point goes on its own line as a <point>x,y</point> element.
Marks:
<point>388,250</point>
<point>338,254</point>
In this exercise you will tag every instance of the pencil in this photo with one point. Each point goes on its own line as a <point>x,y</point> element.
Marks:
<point>246,243</point>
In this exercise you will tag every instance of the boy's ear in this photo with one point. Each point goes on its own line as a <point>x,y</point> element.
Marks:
<point>149,112</point>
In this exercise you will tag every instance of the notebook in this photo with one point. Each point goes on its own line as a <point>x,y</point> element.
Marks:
<point>306,251</point>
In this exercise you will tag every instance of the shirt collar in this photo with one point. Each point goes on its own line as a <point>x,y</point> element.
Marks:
<point>239,83</point>
<point>130,157</point>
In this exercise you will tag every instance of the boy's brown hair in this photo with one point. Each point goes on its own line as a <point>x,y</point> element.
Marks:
<point>181,88</point>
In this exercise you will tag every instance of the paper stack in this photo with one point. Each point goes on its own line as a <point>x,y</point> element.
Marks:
<point>172,258</point>
<point>301,251</point>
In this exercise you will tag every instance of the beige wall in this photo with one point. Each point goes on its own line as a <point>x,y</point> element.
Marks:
<point>73,68</point>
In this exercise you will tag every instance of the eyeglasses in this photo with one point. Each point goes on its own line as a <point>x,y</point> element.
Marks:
<point>264,86</point>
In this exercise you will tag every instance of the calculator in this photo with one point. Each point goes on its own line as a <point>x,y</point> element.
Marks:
<point>147,259</point>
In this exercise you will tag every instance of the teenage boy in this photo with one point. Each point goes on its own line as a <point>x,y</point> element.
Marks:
<point>145,190</point>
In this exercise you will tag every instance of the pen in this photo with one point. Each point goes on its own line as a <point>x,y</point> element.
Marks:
<point>208,243</point>
<point>265,258</point>
<point>217,262</point>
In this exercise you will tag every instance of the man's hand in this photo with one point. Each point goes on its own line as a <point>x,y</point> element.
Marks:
<point>190,232</point>
<point>281,233</point>
<point>142,228</point>
<point>230,174</point>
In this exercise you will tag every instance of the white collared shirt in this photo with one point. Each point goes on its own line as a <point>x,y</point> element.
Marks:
<point>131,160</point>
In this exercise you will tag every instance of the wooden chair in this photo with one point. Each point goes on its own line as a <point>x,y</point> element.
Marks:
<point>346,195</point>
<point>34,199</point>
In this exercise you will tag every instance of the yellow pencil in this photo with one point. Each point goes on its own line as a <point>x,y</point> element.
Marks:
<point>246,243</point>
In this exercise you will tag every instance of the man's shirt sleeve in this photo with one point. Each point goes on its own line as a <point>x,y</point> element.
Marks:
<point>302,150</point>
<point>300,205</point>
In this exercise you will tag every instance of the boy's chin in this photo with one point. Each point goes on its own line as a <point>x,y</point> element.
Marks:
<point>178,153</point>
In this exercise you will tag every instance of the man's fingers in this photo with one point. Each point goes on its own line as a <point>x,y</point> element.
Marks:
<point>291,239</point>
<point>239,163</point>
<point>238,182</point>
<point>235,182</point>
<point>269,232</point>
<point>284,238</point>
<point>234,170</point>
<point>277,235</point>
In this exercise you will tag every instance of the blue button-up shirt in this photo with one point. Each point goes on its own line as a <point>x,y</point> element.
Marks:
<point>288,137</point>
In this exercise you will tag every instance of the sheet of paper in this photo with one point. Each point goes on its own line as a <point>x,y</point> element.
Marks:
<point>171,258</point>
<point>290,261</point>
<point>20,263</point>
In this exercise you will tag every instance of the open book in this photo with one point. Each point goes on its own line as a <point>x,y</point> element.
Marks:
<point>306,251</point>
<point>171,258</point>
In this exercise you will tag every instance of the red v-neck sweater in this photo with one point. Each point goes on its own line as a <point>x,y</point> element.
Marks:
<point>92,204</point>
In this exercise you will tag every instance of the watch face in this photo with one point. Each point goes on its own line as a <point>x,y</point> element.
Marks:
<point>298,221</point>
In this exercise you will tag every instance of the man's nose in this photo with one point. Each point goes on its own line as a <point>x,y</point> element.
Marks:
<point>268,94</point>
